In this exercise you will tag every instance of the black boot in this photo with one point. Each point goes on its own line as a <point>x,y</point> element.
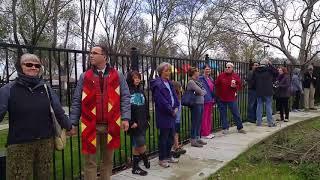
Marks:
<point>136,169</point>
<point>145,160</point>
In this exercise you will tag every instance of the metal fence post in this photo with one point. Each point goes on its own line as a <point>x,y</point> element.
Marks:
<point>206,58</point>
<point>134,59</point>
<point>2,166</point>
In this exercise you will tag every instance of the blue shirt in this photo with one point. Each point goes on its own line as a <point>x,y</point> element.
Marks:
<point>178,117</point>
<point>166,83</point>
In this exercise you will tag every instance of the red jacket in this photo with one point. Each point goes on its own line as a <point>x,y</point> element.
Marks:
<point>224,91</point>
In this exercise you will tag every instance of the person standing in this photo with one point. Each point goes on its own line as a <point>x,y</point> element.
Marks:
<point>30,141</point>
<point>263,78</point>
<point>177,148</point>
<point>252,95</point>
<point>166,107</point>
<point>227,85</point>
<point>139,123</point>
<point>297,90</point>
<point>197,108</point>
<point>102,101</point>
<point>283,93</point>
<point>309,85</point>
<point>208,84</point>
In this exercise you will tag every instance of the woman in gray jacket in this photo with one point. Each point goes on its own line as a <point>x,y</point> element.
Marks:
<point>296,88</point>
<point>197,109</point>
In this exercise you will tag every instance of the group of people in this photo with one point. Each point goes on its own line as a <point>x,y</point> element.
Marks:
<point>104,102</point>
<point>266,82</point>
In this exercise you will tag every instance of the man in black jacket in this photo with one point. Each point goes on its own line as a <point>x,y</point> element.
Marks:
<point>263,78</point>
<point>309,84</point>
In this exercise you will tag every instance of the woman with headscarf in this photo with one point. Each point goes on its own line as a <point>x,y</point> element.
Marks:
<point>30,142</point>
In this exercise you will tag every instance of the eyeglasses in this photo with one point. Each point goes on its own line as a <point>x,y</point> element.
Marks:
<point>228,67</point>
<point>95,53</point>
<point>38,66</point>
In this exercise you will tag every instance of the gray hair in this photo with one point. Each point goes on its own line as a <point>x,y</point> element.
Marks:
<point>264,62</point>
<point>29,57</point>
<point>230,64</point>
<point>162,66</point>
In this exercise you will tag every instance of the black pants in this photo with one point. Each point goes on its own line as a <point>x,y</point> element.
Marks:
<point>283,103</point>
<point>296,102</point>
<point>165,143</point>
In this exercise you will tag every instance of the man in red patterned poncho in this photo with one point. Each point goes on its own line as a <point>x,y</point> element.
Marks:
<point>102,101</point>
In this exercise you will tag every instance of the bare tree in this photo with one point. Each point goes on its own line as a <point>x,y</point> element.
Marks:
<point>117,21</point>
<point>288,25</point>
<point>203,20</point>
<point>164,18</point>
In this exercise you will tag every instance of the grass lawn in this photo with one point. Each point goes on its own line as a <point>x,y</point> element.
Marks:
<point>281,156</point>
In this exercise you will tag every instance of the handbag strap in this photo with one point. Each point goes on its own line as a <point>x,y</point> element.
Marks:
<point>56,124</point>
<point>51,109</point>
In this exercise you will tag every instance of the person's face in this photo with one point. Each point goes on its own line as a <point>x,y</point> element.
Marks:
<point>97,57</point>
<point>136,80</point>
<point>196,74</point>
<point>255,65</point>
<point>280,71</point>
<point>166,72</point>
<point>31,68</point>
<point>229,69</point>
<point>207,71</point>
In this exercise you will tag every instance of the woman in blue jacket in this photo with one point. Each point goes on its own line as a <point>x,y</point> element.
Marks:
<point>166,107</point>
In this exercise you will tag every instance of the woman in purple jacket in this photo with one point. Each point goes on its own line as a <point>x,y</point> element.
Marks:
<point>166,107</point>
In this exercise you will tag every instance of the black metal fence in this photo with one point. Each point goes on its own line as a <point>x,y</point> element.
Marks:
<point>62,69</point>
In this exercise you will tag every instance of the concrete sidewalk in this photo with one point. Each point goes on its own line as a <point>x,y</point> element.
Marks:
<point>200,163</point>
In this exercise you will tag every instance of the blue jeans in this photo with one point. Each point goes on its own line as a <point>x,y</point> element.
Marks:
<point>252,105</point>
<point>165,143</point>
<point>196,120</point>
<point>268,101</point>
<point>235,113</point>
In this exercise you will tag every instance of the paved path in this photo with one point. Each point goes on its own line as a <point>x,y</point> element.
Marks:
<point>4,126</point>
<point>199,163</point>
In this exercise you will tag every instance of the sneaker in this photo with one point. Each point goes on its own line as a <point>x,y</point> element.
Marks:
<point>225,131</point>
<point>286,120</point>
<point>175,154</point>
<point>210,136</point>
<point>196,144</point>
<point>180,150</point>
<point>242,131</point>
<point>313,108</point>
<point>139,171</point>
<point>295,110</point>
<point>164,164</point>
<point>173,160</point>
<point>272,125</point>
<point>200,141</point>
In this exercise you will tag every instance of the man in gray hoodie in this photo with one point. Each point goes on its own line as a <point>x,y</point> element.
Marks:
<point>296,89</point>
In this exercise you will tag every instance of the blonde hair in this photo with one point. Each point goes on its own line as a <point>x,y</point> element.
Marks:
<point>177,88</point>
<point>29,57</point>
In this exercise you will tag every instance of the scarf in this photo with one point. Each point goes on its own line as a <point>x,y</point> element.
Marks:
<point>29,81</point>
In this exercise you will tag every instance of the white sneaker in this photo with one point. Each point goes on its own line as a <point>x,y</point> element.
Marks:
<point>210,136</point>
